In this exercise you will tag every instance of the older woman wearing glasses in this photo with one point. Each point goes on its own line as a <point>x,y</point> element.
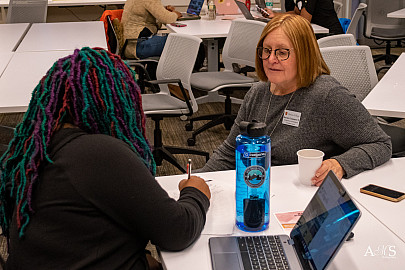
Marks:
<point>304,107</point>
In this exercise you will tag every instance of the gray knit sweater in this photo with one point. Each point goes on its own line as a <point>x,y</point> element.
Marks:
<point>332,120</point>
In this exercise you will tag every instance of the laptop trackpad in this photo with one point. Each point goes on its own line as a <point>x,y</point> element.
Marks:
<point>226,261</point>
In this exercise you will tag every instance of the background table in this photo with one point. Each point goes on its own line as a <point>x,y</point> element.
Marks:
<point>11,35</point>
<point>63,36</point>
<point>388,97</point>
<point>22,74</point>
<point>397,14</point>
<point>5,58</point>
<point>212,30</point>
<point>287,194</point>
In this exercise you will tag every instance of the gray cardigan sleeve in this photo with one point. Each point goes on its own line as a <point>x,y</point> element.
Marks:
<point>354,129</point>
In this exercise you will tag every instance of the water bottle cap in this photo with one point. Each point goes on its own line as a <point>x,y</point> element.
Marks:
<point>252,129</point>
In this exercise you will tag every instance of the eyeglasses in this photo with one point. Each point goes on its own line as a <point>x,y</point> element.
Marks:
<point>281,54</point>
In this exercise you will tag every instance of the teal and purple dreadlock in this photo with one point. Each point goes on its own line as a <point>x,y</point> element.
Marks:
<point>92,89</point>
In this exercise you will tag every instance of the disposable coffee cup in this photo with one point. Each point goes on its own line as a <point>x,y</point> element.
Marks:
<point>309,161</point>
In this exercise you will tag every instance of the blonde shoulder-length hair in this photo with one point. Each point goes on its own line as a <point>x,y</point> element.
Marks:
<point>310,63</point>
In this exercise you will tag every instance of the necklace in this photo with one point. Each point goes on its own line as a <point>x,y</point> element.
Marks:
<point>281,116</point>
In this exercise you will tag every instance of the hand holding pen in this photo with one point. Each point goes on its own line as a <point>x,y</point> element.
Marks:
<point>195,181</point>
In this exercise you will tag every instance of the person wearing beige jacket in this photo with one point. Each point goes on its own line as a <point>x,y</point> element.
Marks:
<point>142,19</point>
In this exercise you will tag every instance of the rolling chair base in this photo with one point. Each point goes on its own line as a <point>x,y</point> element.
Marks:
<point>166,153</point>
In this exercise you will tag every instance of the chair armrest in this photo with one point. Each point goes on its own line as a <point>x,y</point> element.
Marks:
<point>183,91</point>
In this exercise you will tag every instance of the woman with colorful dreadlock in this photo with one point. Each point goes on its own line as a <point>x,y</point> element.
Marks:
<point>77,186</point>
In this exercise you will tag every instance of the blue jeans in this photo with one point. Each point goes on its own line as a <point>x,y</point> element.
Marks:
<point>150,46</point>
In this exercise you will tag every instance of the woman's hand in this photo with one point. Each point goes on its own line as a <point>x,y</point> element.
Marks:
<point>327,165</point>
<point>178,13</point>
<point>196,182</point>
<point>269,14</point>
<point>170,8</point>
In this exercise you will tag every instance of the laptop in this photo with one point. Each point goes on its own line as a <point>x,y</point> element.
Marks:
<point>316,238</point>
<point>227,7</point>
<point>193,11</point>
<point>246,12</point>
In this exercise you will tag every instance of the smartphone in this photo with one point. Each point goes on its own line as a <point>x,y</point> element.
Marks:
<point>178,24</point>
<point>261,10</point>
<point>384,193</point>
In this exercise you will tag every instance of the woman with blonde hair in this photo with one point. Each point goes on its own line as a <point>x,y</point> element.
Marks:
<point>304,107</point>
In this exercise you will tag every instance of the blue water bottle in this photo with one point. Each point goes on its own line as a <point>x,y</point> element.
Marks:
<point>253,159</point>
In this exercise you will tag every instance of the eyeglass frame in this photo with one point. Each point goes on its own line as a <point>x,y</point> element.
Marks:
<point>275,53</point>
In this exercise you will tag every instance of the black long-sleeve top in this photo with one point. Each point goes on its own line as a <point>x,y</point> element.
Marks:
<point>97,206</point>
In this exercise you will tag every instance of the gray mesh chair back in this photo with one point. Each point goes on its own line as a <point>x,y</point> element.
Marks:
<point>240,44</point>
<point>352,29</point>
<point>175,66</point>
<point>337,40</point>
<point>353,67</point>
<point>27,11</point>
<point>177,61</point>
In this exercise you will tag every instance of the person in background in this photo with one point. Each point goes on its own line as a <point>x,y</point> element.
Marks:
<point>77,186</point>
<point>141,20</point>
<point>320,12</point>
<point>304,107</point>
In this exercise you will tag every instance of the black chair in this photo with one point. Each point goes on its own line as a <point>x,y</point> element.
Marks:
<point>397,135</point>
<point>379,27</point>
<point>150,63</point>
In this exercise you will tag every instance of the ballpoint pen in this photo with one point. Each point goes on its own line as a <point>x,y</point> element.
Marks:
<point>189,168</point>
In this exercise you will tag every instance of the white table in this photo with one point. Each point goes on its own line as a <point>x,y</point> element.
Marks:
<point>211,30</point>
<point>288,195</point>
<point>22,74</point>
<point>11,35</point>
<point>66,3</point>
<point>388,97</point>
<point>397,14</point>
<point>389,175</point>
<point>5,58</point>
<point>63,36</point>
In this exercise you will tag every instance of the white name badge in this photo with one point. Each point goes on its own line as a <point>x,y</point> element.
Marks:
<point>291,118</point>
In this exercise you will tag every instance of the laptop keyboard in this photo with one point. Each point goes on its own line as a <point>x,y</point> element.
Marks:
<point>262,252</point>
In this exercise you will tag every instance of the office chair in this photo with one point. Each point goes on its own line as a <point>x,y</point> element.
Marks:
<point>353,67</point>
<point>378,26</point>
<point>117,46</point>
<point>175,67</point>
<point>239,48</point>
<point>352,29</point>
<point>397,135</point>
<point>27,11</point>
<point>337,40</point>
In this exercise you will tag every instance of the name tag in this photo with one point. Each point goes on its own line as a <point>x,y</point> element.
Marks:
<point>291,118</point>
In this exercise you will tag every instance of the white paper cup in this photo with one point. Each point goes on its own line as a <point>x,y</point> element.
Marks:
<point>309,161</point>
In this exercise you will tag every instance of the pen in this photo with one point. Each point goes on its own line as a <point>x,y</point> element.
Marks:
<point>189,168</point>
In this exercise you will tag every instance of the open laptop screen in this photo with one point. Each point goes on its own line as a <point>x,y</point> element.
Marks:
<point>324,225</point>
<point>195,7</point>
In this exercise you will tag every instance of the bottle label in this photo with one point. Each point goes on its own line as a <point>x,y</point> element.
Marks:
<point>254,155</point>
<point>254,176</point>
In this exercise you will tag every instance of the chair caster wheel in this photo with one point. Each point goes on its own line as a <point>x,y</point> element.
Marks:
<point>189,127</point>
<point>191,141</point>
